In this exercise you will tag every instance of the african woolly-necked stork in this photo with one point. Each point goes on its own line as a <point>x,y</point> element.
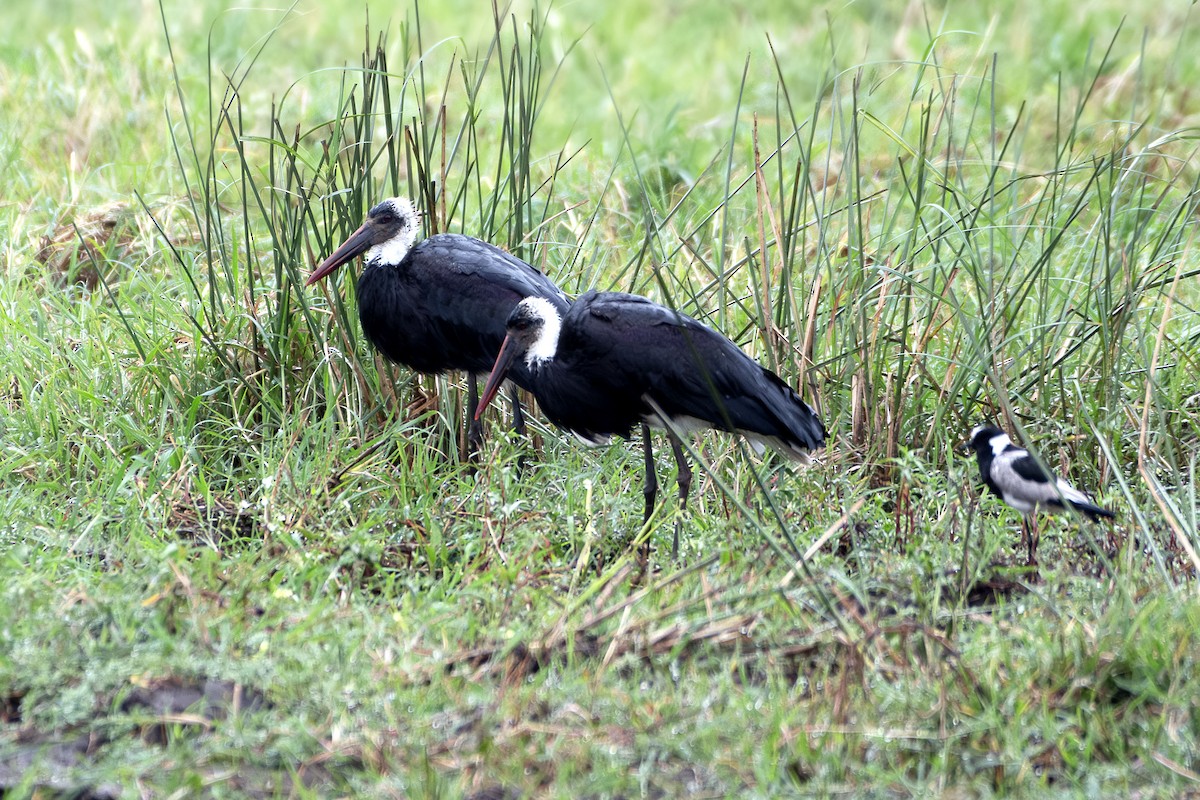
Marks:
<point>440,305</point>
<point>1016,477</point>
<point>613,361</point>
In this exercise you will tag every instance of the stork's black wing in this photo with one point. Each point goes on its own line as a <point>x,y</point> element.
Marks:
<point>454,294</point>
<point>476,260</point>
<point>640,349</point>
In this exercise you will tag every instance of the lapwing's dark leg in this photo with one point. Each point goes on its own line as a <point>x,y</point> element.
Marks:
<point>1029,538</point>
<point>1033,540</point>
<point>518,414</point>
<point>649,490</point>
<point>474,426</point>
<point>685,485</point>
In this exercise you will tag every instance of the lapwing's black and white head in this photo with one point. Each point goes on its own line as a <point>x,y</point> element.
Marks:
<point>531,334</point>
<point>988,441</point>
<point>386,237</point>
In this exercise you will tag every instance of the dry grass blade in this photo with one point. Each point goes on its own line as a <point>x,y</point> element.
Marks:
<point>820,541</point>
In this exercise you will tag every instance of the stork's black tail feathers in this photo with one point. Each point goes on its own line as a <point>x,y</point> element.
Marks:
<point>780,419</point>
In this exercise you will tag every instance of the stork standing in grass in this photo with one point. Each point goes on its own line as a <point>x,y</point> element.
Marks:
<point>614,361</point>
<point>441,305</point>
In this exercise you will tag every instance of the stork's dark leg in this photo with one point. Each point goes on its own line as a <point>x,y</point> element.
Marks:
<point>649,491</point>
<point>518,425</point>
<point>650,485</point>
<point>685,485</point>
<point>518,415</point>
<point>474,426</point>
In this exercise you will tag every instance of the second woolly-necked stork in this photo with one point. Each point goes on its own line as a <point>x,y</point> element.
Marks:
<point>613,361</point>
<point>1017,478</point>
<point>442,304</point>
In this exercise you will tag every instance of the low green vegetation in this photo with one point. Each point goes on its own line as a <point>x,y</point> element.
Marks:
<point>242,557</point>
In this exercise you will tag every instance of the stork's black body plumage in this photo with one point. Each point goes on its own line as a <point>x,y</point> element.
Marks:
<point>444,306</point>
<point>622,358</point>
<point>615,361</point>
<point>441,305</point>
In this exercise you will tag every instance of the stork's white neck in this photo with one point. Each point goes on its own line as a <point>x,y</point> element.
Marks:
<point>394,249</point>
<point>545,346</point>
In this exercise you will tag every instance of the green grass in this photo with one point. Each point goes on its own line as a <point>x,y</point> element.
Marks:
<point>923,218</point>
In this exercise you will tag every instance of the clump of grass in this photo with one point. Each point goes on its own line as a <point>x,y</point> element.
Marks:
<point>962,276</point>
<point>300,187</point>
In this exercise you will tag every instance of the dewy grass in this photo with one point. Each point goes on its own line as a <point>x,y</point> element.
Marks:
<point>212,486</point>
